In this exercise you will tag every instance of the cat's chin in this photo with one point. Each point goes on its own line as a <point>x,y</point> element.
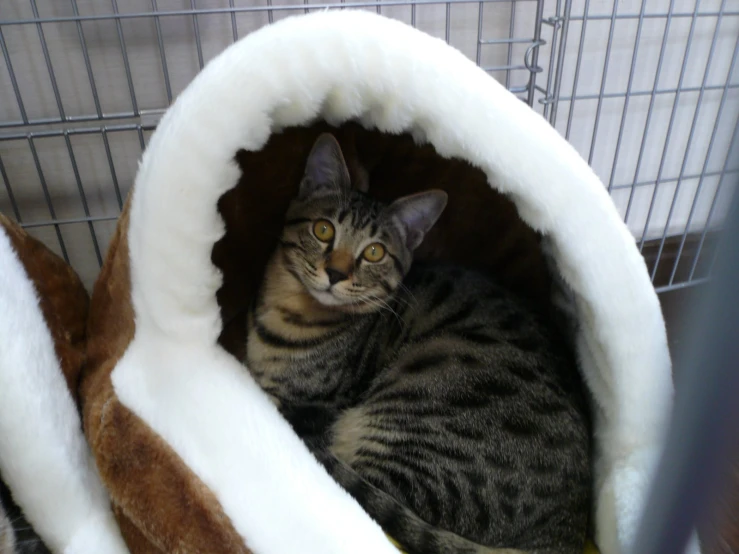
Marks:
<point>327,298</point>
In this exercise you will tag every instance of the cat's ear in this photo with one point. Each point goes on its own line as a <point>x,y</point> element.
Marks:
<point>325,170</point>
<point>417,213</point>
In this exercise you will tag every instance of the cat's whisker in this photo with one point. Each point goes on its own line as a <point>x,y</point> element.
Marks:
<point>403,289</point>
<point>402,301</point>
<point>27,542</point>
<point>24,528</point>
<point>380,303</point>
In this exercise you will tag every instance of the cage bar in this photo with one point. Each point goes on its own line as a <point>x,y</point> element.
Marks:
<point>13,80</point>
<point>88,66</point>
<point>47,58</point>
<point>603,78</point>
<point>234,27</point>
<point>705,173</point>
<point>111,164</point>
<point>651,106</point>
<point>126,64</point>
<point>162,53</point>
<point>9,192</point>
<point>47,197</point>
<point>156,13</point>
<point>574,94</point>
<point>675,105</point>
<point>691,134</point>
<point>83,198</point>
<point>196,29</point>
<point>628,94</point>
<point>714,203</point>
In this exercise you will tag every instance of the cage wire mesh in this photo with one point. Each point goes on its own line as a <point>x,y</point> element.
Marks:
<point>646,90</point>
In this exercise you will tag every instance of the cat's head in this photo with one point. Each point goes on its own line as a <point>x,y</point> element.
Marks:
<point>347,249</point>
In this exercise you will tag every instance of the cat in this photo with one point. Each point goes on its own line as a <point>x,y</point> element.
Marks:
<point>7,536</point>
<point>396,165</point>
<point>446,407</point>
<point>16,534</point>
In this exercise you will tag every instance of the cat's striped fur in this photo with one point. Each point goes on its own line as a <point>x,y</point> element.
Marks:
<point>450,411</point>
<point>17,536</point>
<point>7,536</point>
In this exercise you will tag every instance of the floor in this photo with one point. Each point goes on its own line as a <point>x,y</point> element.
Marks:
<point>676,309</point>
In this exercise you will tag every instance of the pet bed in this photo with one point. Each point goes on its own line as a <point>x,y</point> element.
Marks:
<point>44,459</point>
<point>194,456</point>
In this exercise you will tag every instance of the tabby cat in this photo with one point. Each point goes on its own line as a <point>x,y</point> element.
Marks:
<point>16,534</point>
<point>7,536</point>
<point>449,410</point>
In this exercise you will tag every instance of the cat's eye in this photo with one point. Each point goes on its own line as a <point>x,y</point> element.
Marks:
<point>323,230</point>
<point>374,252</point>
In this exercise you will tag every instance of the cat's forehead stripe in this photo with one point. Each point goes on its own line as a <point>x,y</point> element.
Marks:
<point>361,220</point>
<point>364,213</point>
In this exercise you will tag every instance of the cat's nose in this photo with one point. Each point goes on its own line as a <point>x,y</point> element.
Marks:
<point>334,275</point>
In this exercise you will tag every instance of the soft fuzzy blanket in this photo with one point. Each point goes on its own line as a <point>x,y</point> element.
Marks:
<point>193,455</point>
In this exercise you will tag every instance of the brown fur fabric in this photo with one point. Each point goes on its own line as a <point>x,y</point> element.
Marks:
<point>161,506</point>
<point>63,301</point>
<point>479,228</point>
<point>62,298</point>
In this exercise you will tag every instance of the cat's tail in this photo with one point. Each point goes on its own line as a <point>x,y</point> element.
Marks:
<point>409,531</point>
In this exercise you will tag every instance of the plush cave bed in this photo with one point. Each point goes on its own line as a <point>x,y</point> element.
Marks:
<point>190,452</point>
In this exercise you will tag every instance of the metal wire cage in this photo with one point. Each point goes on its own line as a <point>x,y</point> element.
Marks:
<point>646,90</point>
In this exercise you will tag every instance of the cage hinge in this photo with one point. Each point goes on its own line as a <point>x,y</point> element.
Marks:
<point>150,118</point>
<point>554,21</point>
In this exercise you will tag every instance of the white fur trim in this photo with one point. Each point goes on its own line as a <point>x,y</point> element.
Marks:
<point>355,65</point>
<point>44,458</point>
<point>203,402</point>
